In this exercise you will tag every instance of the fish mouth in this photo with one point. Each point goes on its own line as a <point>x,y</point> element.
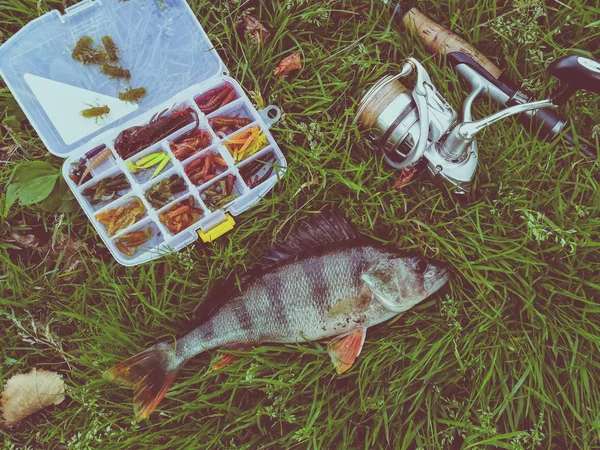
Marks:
<point>441,278</point>
<point>445,274</point>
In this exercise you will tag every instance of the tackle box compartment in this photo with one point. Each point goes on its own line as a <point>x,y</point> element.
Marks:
<point>168,53</point>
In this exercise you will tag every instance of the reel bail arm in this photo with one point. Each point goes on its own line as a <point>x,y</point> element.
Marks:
<point>419,124</point>
<point>457,142</point>
<point>420,95</point>
<point>574,72</point>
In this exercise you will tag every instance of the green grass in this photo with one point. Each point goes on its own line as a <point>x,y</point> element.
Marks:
<point>507,356</point>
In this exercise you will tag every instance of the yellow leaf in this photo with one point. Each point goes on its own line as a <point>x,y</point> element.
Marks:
<point>25,394</point>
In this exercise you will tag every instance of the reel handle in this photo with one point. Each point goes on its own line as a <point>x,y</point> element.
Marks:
<point>574,73</point>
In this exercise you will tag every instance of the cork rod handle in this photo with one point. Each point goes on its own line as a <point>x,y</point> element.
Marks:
<point>441,41</point>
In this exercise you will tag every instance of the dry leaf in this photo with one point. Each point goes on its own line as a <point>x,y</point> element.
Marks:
<point>25,240</point>
<point>407,174</point>
<point>49,252</point>
<point>254,28</point>
<point>8,150</point>
<point>72,252</point>
<point>289,64</point>
<point>25,394</point>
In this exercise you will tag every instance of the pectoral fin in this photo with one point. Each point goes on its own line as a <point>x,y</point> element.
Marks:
<point>343,350</point>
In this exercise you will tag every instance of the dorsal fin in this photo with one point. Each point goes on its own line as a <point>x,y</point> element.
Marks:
<point>328,228</point>
<point>221,291</point>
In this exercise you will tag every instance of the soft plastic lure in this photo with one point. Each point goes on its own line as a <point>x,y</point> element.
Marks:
<point>115,71</point>
<point>133,94</point>
<point>111,48</point>
<point>160,158</point>
<point>93,163</point>
<point>95,112</point>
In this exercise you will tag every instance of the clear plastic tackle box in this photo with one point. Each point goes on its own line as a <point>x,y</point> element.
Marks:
<point>168,53</point>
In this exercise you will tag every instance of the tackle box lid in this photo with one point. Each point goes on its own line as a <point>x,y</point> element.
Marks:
<point>160,41</point>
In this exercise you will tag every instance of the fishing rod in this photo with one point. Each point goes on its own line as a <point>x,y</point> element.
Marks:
<point>412,125</point>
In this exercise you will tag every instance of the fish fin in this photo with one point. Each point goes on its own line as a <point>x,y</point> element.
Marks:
<point>328,228</point>
<point>343,350</point>
<point>224,360</point>
<point>216,298</point>
<point>150,373</point>
<point>227,358</point>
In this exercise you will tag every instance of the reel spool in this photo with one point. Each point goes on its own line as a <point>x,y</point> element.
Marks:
<point>389,113</point>
<point>402,122</point>
<point>410,125</point>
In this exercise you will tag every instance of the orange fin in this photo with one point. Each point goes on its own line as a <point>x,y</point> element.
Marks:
<point>343,350</point>
<point>150,373</point>
<point>227,358</point>
<point>224,360</point>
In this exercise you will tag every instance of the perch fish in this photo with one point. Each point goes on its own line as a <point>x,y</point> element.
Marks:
<point>324,281</point>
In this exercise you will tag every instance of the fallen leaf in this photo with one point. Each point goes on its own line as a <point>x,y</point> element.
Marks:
<point>25,394</point>
<point>407,174</point>
<point>25,240</point>
<point>254,28</point>
<point>8,150</point>
<point>52,249</point>
<point>72,252</point>
<point>288,64</point>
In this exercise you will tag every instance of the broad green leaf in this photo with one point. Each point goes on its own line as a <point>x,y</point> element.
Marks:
<point>36,182</point>
<point>64,191</point>
<point>60,199</point>
<point>33,169</point>
<point>13,109</point>
<point>68,206</point>
<point>11,122</point>
<point>12,194</point>
<point>53,201</point>
<point>36,190</point>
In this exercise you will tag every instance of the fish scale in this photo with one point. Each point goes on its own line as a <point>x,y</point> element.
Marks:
<point>324,281</point>
<point>291,304</point>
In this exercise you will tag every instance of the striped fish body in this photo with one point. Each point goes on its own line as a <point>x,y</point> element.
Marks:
<point>307,299</point>
<point>324,281</point>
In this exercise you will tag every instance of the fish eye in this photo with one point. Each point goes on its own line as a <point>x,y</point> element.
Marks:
<point>419,264</point>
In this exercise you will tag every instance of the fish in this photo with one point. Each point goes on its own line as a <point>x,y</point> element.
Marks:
<point>324,281</point>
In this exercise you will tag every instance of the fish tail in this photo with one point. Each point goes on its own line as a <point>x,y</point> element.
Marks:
<point>151,373</point>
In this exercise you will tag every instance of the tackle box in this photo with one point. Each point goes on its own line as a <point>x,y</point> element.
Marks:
<point>168,53</point>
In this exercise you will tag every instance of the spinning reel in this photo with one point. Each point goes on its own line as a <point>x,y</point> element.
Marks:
<point>410,126</point>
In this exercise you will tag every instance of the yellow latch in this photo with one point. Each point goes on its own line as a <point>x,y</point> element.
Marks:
<point>219,230</point>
